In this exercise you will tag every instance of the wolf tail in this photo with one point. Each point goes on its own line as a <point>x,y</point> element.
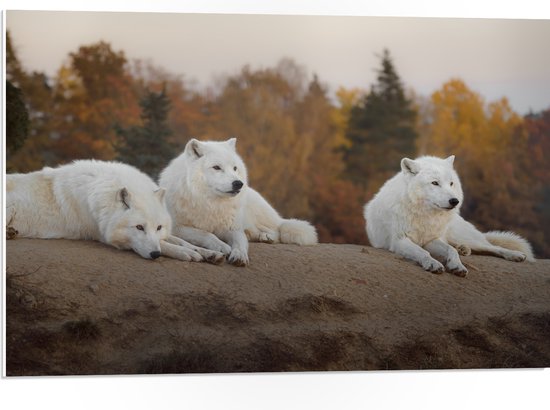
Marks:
<point>297,232</point>
<point>512,241</point>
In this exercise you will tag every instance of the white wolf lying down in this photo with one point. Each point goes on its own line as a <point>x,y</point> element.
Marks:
<point>105,201</point>
<point>416,214</point>
<point>206,189</point>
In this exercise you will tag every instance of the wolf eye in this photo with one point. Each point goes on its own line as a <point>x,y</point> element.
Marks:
<point>234,168</point>
<point>452,183</point>
<point>159,227</point>
<point>435,183</point>
<point>217,167</point>
<point>140,227</point>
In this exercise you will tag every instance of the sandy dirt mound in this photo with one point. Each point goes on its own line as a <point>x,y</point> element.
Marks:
<point>76,307</point>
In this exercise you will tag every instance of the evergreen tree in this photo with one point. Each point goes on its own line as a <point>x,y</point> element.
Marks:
<point>17,119</point>
<point>29,104</point>
<point>381,130</point>
<point>14,71</point>
<point>147,146</point>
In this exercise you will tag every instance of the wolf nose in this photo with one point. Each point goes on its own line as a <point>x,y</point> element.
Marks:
<point>154,254</point>
<point>454,202</point>
<point>237,185</point>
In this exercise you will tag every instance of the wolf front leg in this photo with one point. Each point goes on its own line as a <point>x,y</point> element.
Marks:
<point>447,255</point>
<point>210,256</point>
<point>239,247</point>
<point>202,238</point>
<point>410,250</point>
<point>179,252</point>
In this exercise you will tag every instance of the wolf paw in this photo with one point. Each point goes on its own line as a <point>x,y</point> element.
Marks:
<point>515,256</point>
<point>238,258</point>
<point>433,266</point>
<point>457,269</point>
<point>464,250</point>
<point>195,256</point>
<point>210,256</point>
<point>11,233</point>
<point>215,257</point>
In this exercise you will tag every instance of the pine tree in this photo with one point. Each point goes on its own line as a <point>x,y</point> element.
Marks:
<point>147,147</point>
<point>29,103</point>
<point>14,71</point>
<point>17,119</point>
<point>381,130</point>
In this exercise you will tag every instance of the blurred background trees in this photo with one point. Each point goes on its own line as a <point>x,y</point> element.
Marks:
<point>311,154</point>
<point>146,146</point>
<point>17,119</point>
<point>381,130</point>
<point>491,143</point>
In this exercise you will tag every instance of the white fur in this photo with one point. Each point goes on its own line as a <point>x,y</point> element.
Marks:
<point>96,200</point>
<point>201,197</point>
<point>414,218</point>
<point>508,245</point>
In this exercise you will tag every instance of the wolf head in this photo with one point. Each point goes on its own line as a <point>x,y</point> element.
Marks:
<point>432,182</point>
<point>217,169</point>
<point>140,222</point>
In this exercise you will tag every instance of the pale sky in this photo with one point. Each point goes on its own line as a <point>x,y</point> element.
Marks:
<point>495,57</point>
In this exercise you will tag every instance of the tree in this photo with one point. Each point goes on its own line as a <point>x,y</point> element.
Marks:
<point>335,204</point>
<point>37,150</point>
<point>98,67</point>
<point>147,146</point>
<point>381,130</point>
<point>347,99</point>
<point>190,111</point>
<point>492,158</point>
<point>17,119</point>
<point>14,70</point>
<point>257,107</point>
<point>538,129</point>
<point>315,122</point>
<point>423,106</point>
<point>92,93</point>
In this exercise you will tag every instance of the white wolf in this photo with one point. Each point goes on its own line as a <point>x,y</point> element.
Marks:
<point>416,214</point>
<point>105,201</point>
<point>206,190</point>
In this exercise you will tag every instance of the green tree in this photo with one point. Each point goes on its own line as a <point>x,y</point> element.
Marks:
<point>538,128</point>
<point>17,119</point>
<point>347,99</point>
<point>14,71</point>
<point>147,146</point>
<point>190,110</point>
<point>37,150</point>
<point>381,130</point>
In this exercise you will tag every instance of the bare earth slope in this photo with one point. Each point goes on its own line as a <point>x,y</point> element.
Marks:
<point>76,307</point>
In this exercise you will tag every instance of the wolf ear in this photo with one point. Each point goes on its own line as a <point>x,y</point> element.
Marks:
<point>124,196</point>
<point>159,193</point>
<point>232,142</point>
<point>408,166</point>
<point>194,148</point>
<point>450,159</point>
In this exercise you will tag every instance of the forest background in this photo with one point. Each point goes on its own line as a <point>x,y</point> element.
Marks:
<point>311,156</point>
